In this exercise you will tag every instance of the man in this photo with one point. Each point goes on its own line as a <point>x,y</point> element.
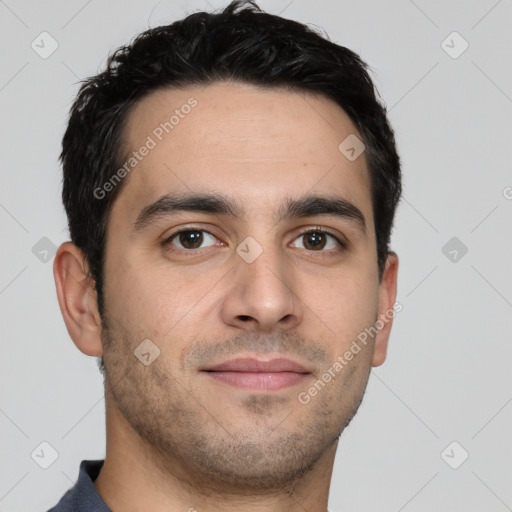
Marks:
<point>230,182</point>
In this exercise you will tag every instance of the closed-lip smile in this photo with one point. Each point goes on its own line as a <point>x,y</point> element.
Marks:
<point>257,374</point>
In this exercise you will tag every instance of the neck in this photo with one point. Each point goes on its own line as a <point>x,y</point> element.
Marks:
<point>136,478</point>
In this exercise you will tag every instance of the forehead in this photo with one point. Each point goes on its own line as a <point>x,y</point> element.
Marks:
<point>253,143</point>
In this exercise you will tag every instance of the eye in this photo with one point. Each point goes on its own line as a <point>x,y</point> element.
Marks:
<point>317,239</point>
<point>189,239</point>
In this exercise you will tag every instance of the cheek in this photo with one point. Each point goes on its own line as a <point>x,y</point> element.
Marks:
<point>133,294</point>
<point>346,304</point>
<point>162,301</point>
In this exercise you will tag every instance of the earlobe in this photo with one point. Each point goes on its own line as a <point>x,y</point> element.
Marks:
<point>387,298</point>
<point>77,299</point>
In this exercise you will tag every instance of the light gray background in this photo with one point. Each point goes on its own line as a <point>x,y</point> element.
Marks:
<point>448,374</point>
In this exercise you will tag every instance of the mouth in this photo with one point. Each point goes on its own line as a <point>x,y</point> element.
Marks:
<point>257,375</point>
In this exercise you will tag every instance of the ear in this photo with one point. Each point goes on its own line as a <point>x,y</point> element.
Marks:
<point>387,297</point>
<point>77,299</point>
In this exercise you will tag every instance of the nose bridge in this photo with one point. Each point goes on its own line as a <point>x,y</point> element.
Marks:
<point>262,263</point>
<point>263,260</point>
<point>262,292</point>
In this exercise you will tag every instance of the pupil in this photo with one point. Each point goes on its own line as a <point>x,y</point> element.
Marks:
<point>318,237</point>
<point>191,238</point>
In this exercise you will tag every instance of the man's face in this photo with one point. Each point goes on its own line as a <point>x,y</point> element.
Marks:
<point>212,295</point>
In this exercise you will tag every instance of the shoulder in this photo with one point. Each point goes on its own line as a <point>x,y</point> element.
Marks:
<point>83,496</point>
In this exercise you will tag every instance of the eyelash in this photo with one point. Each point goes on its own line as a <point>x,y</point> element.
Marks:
<point>167,242</point>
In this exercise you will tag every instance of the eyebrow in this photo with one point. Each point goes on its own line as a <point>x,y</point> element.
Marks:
<point>215,204</point>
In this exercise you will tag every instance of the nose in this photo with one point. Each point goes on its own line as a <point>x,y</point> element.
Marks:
<point>261,296</point>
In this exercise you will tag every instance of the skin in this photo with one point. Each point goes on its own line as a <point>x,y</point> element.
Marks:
<point>176,438</point>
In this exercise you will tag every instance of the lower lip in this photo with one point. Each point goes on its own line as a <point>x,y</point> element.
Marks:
<point>259,380</point>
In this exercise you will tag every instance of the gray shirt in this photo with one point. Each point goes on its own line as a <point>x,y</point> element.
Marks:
<point>83,496</point>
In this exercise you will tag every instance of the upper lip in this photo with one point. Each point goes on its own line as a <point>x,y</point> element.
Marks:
<point>255,365</point>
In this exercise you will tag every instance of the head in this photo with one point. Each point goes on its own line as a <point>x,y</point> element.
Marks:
<point>239,118</point>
